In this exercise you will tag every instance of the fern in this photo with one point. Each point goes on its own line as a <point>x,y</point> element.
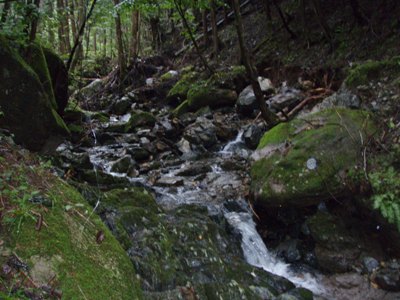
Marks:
<point>386,197</point>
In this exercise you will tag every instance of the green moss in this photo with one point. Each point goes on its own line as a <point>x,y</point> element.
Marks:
<point>37,61</point>
<point>362,73</point>
<point>60,127</point>
<point>181,109</point>
<point>67,242</point>
<point>332,137</point>
<point>181,88</point>
<point>167,76</point>
<point>204,94</point>
<point>140,119</point>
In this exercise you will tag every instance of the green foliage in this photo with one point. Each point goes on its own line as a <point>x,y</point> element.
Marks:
<point>385,182</point>
<point>17,192</point>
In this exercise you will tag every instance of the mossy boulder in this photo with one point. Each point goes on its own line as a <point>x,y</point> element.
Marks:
<point>362,73</point>
<point>305,161</point>
<point>179,91</point>
<point>183,246</point>
<point>59,79</point>
<point>27,101</point>
<point>140,119</point>
<point>51,235</point>
<point>204,94</point>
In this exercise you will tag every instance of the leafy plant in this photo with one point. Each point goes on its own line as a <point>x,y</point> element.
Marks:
<point>386,197</point>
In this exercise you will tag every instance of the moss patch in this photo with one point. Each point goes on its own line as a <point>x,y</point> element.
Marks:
<point>280,176</point>
<point>140,119</point>
<point>66,242</point>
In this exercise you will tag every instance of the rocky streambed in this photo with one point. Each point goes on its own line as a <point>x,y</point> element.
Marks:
<point>175,188</point>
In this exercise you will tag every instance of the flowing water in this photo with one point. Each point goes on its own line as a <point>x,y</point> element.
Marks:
<point>211,190</point>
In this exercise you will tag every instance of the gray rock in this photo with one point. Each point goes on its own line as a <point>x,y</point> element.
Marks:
<point>253,134</point>
<point>343,98</point>
<point>122,106</point>
<point>202,132</point>
<point>388,278</point>
<point>287,97</point>
<point>247,101</point>
<point>370,264</point>
<point>91,89</point>
<point>169,181</point>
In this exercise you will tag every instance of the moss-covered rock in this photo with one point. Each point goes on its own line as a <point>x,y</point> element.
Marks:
<point>330,142</point>
<point>204,94</point>
<point>53,237</point>
<point>140,119</point>
<point>26,98</point>
<point>183,246</point>
<point>179,91</point>
<point>59,78</point>
<point>362,73</point>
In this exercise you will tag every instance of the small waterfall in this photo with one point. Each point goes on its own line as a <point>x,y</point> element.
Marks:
<point>257,254</point>
<point>231,146</point>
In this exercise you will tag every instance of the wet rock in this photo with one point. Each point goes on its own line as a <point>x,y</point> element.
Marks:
<point>370,264</point>
<point>140,119</point>
<point>121,106</point>
<point>169,181</point>
<point>253,134</point>
<point>91,89</point>
<point>388,277</point>
<point>337,249</point>
<point>289,250</point>
<point>202,132</point>
<point>247,101</point>
<point>138,153</point>
<point>101,178</point>
<point>123,165</point>
<point>80,160</point>
<point>281,174</point>
<point>287,97</point>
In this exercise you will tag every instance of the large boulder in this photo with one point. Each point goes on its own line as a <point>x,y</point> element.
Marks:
<point>27,104</point>
<point>59,79</point>
<point>247,102</point>
<point>305,161</point>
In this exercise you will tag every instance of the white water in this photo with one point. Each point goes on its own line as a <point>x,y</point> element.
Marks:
<point>229,148</point>
<point>257,254</point>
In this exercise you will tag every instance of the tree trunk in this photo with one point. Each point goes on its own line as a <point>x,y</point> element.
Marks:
<point>134,47</point>
<point>267,115</point>
<point>95,41</point>
<point>321,20</point>
<point>78,39</point>
<point>196,46</point>
<point>61,39</point>
<point>214,27</point>
<point>284,21</point>
<point>205,26</point>
<point>120,46</point>
<point>302,8</point>
<point>34,23</point>
<point>267,9</point>
<point>155,33</point>
<point>4,13</point>
<point>50,31</point>
<point>105,42</point>
<point>66,27</point>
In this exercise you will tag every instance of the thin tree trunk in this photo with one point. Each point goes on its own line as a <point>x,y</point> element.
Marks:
<point>105,42</point>
<point>267,115</point>
<point>72,18</point>
<point>87,41</point>
<point>214,27</point>
<point>61,39</point>
<point>304,21</point>
<point>80,34</point>
<point>95,41</point>
<point>50,30</point>
<point>34,23</point>
<point>205,26</point>
<point>267,9</point>
<point>317,10</point>
<point>284,21</point>
<point>120,46</point>
<point>196,46</point>
<point>66,26</point>
<point>134,47</point>
<point>4,13</point>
